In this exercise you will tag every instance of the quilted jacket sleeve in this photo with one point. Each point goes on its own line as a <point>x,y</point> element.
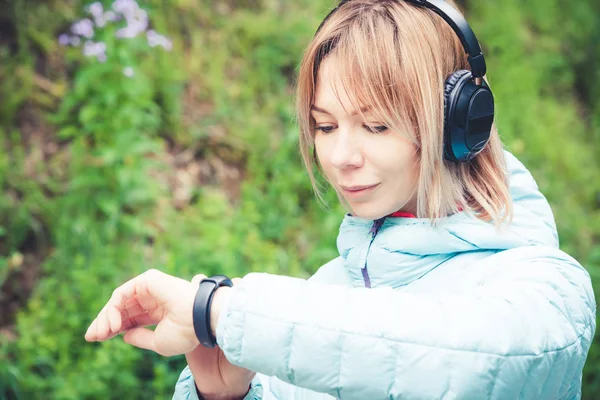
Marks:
<point>523,332</point>
<point>263,387</point>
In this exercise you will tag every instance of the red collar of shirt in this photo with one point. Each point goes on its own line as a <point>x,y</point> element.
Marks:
<point>401,214</point>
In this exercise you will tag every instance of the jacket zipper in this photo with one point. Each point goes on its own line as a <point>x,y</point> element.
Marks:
<point>374,230</point>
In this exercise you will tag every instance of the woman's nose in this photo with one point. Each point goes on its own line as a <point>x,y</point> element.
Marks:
<point>346,152</point>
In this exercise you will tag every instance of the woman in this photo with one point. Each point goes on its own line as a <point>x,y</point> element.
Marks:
<point>449,284</point>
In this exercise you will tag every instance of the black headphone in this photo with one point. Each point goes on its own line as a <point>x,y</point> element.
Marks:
<point>468,100</point>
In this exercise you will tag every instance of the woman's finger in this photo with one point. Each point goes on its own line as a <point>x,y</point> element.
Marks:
<point>114,319</point>
<point>102,324</point>
<point>109,322</point>
<point>138,321</point>
<point>137,286</point>
<point>236,281</point>
<point>142,319</point>
<point>132,309</point>
<point>90,334</point>
<point>109,319</point>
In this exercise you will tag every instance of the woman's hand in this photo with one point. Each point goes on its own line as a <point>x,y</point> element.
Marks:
<point>152,298</point>
<point>156,298</point>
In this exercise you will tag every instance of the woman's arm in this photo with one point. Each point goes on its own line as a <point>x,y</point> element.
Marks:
<point>524,330</point>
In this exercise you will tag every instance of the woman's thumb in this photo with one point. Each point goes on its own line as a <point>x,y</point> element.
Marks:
<point>140,337</point>
<point>196,279</point>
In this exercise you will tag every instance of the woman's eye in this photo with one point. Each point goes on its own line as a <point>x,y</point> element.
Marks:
<point>376,129</point>
<point>325,129</point>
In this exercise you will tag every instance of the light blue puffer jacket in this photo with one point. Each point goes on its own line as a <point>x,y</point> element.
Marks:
<point>456,311</point>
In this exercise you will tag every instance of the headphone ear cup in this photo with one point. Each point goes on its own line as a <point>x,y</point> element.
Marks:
<point>451,93</point>
<point>468,116</point>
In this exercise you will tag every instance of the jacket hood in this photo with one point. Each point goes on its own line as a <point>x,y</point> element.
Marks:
<point>404,242</point>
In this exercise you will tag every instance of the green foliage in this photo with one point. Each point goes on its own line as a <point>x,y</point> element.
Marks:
<point>213,119</point>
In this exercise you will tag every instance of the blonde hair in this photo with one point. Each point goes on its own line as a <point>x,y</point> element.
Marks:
<point>395,58</point>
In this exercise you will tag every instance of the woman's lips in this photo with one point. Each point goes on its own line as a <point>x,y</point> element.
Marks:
<point>358,191</point>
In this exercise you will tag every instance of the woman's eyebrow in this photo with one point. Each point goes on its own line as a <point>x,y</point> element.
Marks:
<point>323,111</point>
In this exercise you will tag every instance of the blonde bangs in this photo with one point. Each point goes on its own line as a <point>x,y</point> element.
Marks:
<point>388,59</point>
<point>371,74</point>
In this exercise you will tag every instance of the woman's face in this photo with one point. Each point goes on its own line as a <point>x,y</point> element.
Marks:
<point>374,169</point>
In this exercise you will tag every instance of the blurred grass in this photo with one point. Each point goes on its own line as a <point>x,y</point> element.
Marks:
<point>192,165</point>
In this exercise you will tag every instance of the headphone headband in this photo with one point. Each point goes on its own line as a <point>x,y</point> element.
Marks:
<point>458,24</point>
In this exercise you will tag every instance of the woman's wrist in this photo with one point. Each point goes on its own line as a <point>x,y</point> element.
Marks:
<point>220,300</point>
<point>223,396</point>
<point>214,378</point>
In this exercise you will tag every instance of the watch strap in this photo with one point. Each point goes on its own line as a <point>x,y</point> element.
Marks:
<point>202,306</point>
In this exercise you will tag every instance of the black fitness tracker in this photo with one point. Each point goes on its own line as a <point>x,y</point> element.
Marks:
<point>201,310</point>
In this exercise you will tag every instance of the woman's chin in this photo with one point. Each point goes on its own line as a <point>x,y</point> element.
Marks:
<point>368,213</point>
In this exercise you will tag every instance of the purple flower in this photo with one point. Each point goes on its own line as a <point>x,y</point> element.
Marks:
<point>125,7</point>
<point>64,39</point>
<point>96,10</point>
<point>94,49</point>
<point>155,39</point>
<point>132,30</point>
<point>128,72</point>
<point>128,32</point>
<point>139,17</point>
<point>136,24</point>
<point>84,28</point>
<point>136,18</point>
<point>111,16</point>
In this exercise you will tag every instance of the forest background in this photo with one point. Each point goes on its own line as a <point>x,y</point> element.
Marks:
<point>172,145</point>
